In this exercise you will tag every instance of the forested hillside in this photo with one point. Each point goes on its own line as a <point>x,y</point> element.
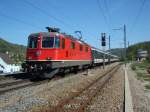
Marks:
<point>117,51</point>
<point>16,52</point>
<point>132,50</point>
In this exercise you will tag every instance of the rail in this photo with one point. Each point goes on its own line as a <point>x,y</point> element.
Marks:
<point>79,100</point>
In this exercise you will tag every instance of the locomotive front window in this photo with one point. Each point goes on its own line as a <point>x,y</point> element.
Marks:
<point>32,42</point>
<point>48,42</point>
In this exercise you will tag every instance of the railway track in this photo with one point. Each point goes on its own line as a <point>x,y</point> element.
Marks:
<point>80,99</point>
<point>10,85</point>
<point>13,84</point>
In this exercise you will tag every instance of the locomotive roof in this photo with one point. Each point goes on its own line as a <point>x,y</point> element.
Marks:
<point>47,34</point>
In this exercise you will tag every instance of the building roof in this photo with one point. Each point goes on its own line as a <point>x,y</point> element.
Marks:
<point>6,58</point>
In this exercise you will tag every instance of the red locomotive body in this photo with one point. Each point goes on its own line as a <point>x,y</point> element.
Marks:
<point>50,52</point>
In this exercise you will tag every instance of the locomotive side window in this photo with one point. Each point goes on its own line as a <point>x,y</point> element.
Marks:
<point>72,45</point>
<point>63,43</point>
<point>86,49</point>
<point>81,47</point>
<point>57,42</point>
<point>32,42</point>
<point>48,42</point>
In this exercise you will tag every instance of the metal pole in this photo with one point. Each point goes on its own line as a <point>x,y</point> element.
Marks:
<point>128,44</point>
<point>109,49</point>
<point>104,57</point>
<point>125,53</point>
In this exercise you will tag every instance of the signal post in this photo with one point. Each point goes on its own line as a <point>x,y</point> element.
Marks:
<point>103,43</point>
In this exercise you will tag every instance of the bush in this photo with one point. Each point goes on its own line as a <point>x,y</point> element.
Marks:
<point>147,86</point>
<point>133,67</point>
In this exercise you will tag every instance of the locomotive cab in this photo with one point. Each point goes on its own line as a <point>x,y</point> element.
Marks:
<point>41,51</point>
<point>42,47</point>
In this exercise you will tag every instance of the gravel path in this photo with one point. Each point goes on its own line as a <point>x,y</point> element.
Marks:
<point>47,94</point>
<point>141,101</point>
<point>110,98</point>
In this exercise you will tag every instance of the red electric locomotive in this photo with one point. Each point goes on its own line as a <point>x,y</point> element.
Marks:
<point>52,52</point>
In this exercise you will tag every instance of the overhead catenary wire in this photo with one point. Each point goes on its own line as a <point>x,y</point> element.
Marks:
<point>22,21</point>
<point>60,14</point>
<point>108,12</point>
<point>11,18</point>
<point>49,15</point>
<point>106,20</point>
<point>135,22</point>
<point>18,20</point>
<point>103,14</point>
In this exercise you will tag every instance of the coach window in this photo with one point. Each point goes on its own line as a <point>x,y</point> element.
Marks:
<point>81,47</point>
<point>48,42</point>
<point>57,42</point>
<point>72,45</point>
<point>63,43</point>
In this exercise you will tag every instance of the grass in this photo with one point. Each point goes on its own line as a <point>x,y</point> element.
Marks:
<point>2,77</point>
<point>141,70</point>
<point>133,67</point>
<point>143,76</point>
<point>147,86</point>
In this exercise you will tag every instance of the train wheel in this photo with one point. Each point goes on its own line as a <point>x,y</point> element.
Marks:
<point>75,70</point>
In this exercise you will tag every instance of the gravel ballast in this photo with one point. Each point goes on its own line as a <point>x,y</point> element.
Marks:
<point>47,94</point>
<point>111,97</point>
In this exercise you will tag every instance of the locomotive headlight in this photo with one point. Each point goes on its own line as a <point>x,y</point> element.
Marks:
<point>48,58</point>
<point>38,53</point>
<point>28,58</point>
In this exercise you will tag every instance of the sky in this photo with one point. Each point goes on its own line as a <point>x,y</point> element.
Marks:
<point>20,18</point>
